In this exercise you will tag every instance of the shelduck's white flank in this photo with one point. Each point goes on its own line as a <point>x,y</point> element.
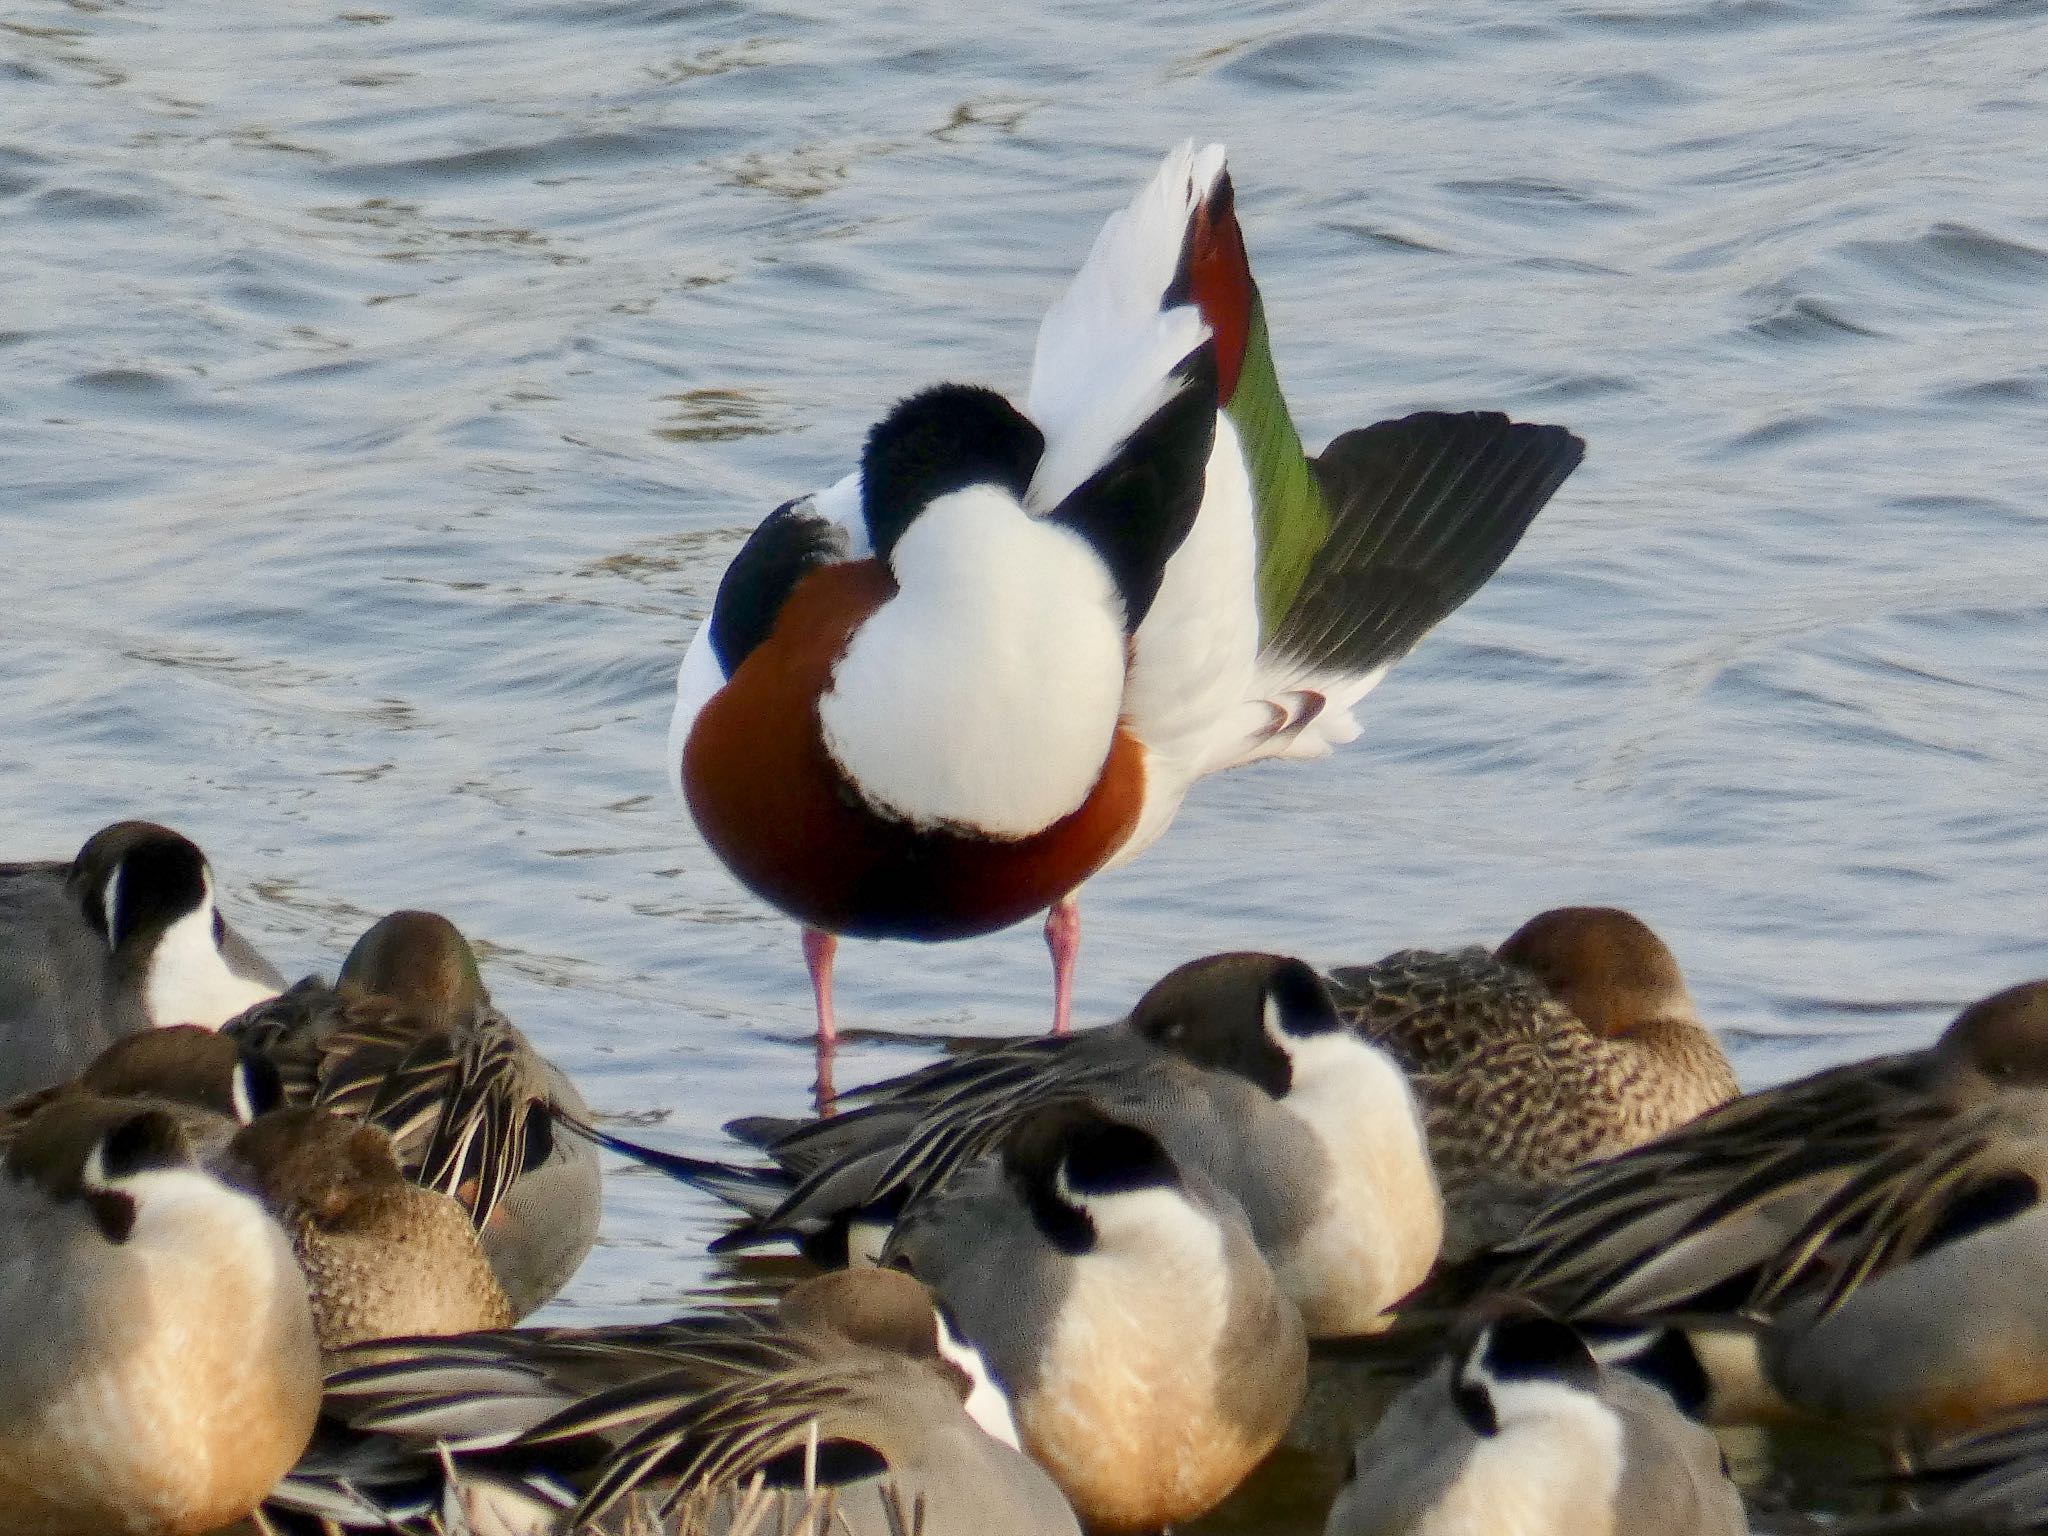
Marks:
<point>1194,659</point>
<point>985,694</point>
<point>189,980</point>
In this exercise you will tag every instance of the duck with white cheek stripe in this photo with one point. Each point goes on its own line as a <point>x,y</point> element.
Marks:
<point>1150,1357</point>
<point>1519,1432</point>
<point>1238,1064</point>
<point>1866,1246</point>
<point>125,937</point>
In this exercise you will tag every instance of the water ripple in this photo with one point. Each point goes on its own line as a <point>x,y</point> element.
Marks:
<point>384,392</point>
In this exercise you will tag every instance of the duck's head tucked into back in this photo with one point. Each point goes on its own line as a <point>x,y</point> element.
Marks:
<point>160,1371</point>
<point>407,1039</point>
<point>1355,1220</point>
<point>148,892</point>
<point>1521,1430</point>
<point>421,960</point>
<point>383,1257</point>
<point>1999,1042</point>
<point>1150,1357</point>
<point>983,694</point>
<point>886,1309</point>
<point>1605,964</point>
<point>184,1065</point>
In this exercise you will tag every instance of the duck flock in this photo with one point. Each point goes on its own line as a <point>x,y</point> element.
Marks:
<point>262,1248</point>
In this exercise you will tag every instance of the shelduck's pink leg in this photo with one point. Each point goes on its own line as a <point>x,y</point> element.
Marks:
<point>1063,938</point>
<point>819,948</point>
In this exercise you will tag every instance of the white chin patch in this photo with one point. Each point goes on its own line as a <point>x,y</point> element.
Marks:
<point>985,694</point>
<point>190,981</point>
<point>986,1404</point>
<point>865,1241</point>
<point>489,1507</point>
<point>244,1100</point>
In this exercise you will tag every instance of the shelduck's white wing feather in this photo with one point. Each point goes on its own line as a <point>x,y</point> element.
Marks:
<point>1108,330</point>
<point>1194,659</point>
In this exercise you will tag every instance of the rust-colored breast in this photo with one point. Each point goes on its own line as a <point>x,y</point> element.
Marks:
<point>778,811</point>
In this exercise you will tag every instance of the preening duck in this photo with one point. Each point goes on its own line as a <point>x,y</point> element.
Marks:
<point>932,700</point>
<point>854,1385</point>
<point>126,936</point>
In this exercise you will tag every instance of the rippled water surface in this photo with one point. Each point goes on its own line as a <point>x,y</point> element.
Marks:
<point>382,392</point>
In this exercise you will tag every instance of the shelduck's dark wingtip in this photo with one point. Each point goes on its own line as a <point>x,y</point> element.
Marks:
<point>1423,510</point>
<point>790,542</point>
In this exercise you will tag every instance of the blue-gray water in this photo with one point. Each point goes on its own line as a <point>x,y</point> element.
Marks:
<point>382,391</point>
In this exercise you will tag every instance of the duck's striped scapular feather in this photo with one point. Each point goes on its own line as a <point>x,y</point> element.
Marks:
<point>1876,1198</point>
<point>460,1105</point>
<point>850,1379</point>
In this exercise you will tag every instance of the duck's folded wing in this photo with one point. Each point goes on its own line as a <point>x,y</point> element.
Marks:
<point>1952,1181</point>
<point>461,1106</point>
<point>822,528</point>
<point>1695,1220</point>
<point>1436,1010</point>
<point>877,1177</point>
